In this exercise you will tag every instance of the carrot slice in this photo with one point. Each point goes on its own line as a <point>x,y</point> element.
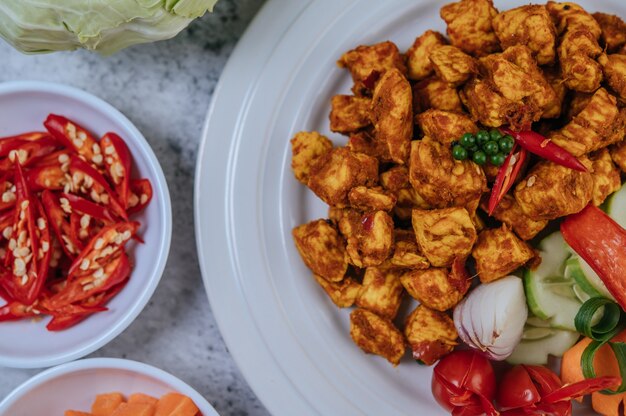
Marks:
<point>142,398</point>
<point>175,404</point>
<point>105,404</point>
<point>134,409</point>
<point>76,413</point>
<point>604,363</point>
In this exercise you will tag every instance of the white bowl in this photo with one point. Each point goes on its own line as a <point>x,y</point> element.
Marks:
<point>27,344</point>
<point>75,385</point>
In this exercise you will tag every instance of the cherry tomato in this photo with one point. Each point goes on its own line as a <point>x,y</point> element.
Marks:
<point>516,389</point>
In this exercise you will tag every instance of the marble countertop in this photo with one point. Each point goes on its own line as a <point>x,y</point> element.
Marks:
<point>165,89</point>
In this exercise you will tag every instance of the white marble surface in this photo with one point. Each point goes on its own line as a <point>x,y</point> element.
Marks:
<point>165,89</point>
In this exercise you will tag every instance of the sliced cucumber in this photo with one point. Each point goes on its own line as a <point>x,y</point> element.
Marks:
<point>588,280</point>
<point>550,295</point>
<point>539,343</point>
<point>615,206</point>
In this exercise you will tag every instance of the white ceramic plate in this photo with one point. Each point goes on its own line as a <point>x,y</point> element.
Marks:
<point>291,343</point>
<point>23,107</point>
<point>75,385</point>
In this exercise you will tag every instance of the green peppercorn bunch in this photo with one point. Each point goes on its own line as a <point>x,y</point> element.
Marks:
<point>484,146</point>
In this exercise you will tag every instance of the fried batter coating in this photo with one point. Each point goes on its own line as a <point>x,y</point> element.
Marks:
<point>596,126</point>
<point>381,292</point>
<point>440,180</point>
<point>322,249</point>
<point>376,335</point>
<point>444,234</point>
<point>570,16</point>
<point>371,199</point>
<point>307,148</point>
<point>392,114</point>
<point>510,213</point>
<point>365,142</point>
<point>553,108</point>
<point>470,26</point>
<point>430,334</point>
<point>606,177</point>
<point>613,30</point>
<point>452,65</point>
<point>369,237</point>
<point>551,191</point>
<point>418,64</point>
<point>577,103</point>
<point>531,26</point>
<point>396,179</point>
<point>618,154</point>
<point>343,293</point>
<point>436,288</point>
<point>499,252</point>
<point>436,94</point>
<point>445,126</point>
<point>407,253</point>
<point>614,67</point>
<point>363,60</point>
<point>488,106</point>
<point>338,171</point>
<point>349,113</point>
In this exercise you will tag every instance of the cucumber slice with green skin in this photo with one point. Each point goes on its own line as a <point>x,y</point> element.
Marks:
<point>536,351</point>
<point>615,206</point>
<point>550,295</point>
<point>588,280</point>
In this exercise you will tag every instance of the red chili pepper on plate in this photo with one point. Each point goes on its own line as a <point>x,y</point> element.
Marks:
<point>27,153</point>
<point>117,163</point>
<point>86,207</point>
<point>601,242</point>
<point>74,137</point>
<point>55,210</point>
<point>506,175</point>
<point>141,195</point>
<point>541,146</point>
<point>11,142</point>
<point>15,310</point>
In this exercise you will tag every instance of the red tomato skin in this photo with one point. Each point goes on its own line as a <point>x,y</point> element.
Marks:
<point>517,390</point>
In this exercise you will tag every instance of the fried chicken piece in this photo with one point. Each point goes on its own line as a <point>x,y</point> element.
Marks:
<point>307,148</point>
<point>364,142</point>
<point>418,64</point>
<point>499,252</point>
<point>376,335</point>
<point>444,234</point>
<point>430,334</point>
<point>441,180</point>
<point>396,179</point>
<point>470,26</point>
<point>369,237</point>
<point>392,114</point>
<point>577,103</point>
<point>618,154</point>
<point>434,93</point>
<point>553,108</point>
<point>578,46</point>
<point>531,26</point>
<point>338,171</point>
<point>597,125</point>
<point>613,30</point>
<point>322,249</point>
<point>487,106</point>
<point>445,126</point>
<point>452,65</point>
<point>551,191</point>
<point>614,67</point>
<point>371,199</point>
<point>381,292</point>
<point>407,253</point>
<point>606,176</point>
<point>510,213</point>
<point>437,288</point>
<point>364,60</point>
<point>343,293</point>
<point>349,113</point>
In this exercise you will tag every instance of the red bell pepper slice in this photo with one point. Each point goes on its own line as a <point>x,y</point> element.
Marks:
<point>87,207</point>
<point>601,242</point>
<point>93,281</point>
<point>74,137</point>
<point>23,257</point>
<point>60,224</point>
<point>141,195</point>
<point>506,176</point>
<point>103,246</point>
<point>27,153</point>
<point>117,163</point>
<point>96,187</point>
<point>541,146</point>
